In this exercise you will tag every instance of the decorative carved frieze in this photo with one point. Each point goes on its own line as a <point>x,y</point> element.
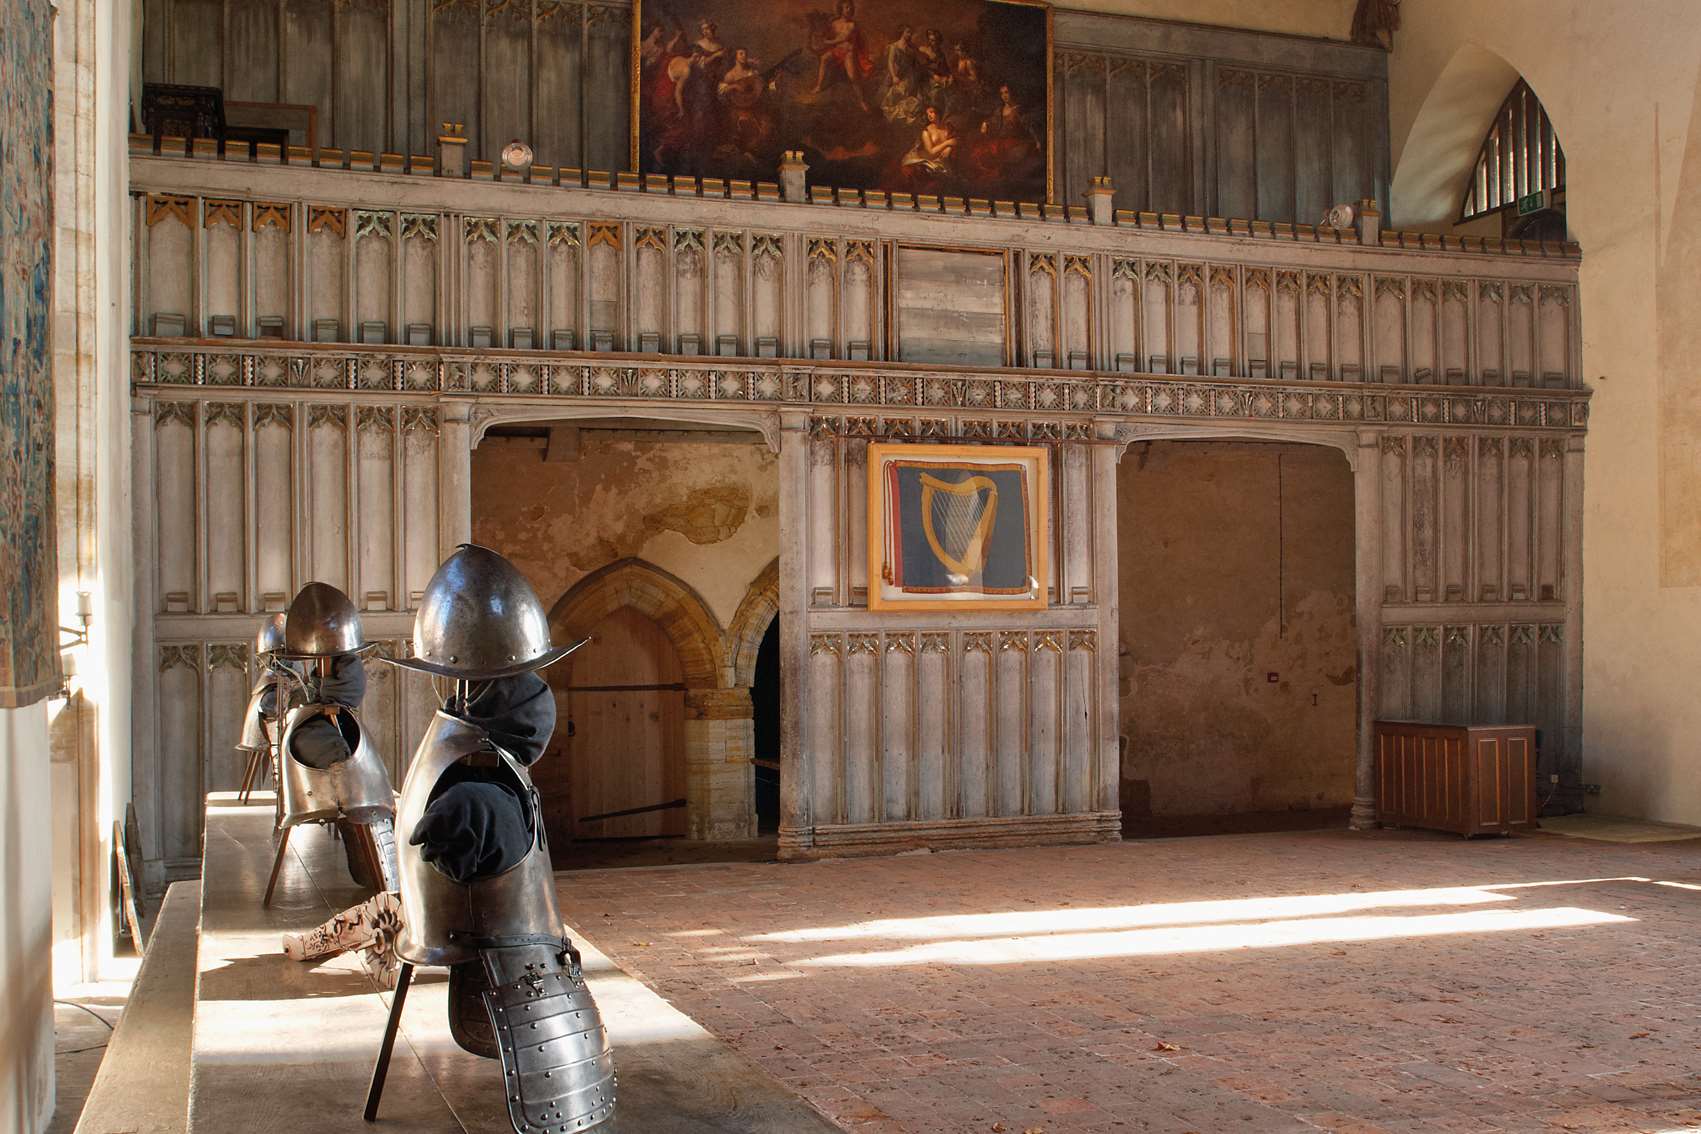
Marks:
<point>162,206</point>
<point>522,232</point>
<point>185,656</point>
<point>224,413</point>
<point>935,643</point>
<point>1087,640</point>
<point>368,222</point>
<point>419,226</point>
<point>375,419</point>
<point>228,655</point>
<point>271,214</point>
<point>1013,640</point>
<point>563,234</point>
<point>273,413</point>
<point>903,643</point>
<point>327,218</point>
<point>655,239</point>
<point>603,232</point>
<point>862,644</point>
<point>1026,405</point>
<point>331,415</point>
<point>476,230</point>
<point>825,644</point>
<point>179,413</point>
<point>215,211</point>
<point>977,642</point>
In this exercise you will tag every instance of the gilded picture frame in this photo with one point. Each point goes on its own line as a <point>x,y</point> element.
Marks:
<point>958,527</point>
<point>956,120</point>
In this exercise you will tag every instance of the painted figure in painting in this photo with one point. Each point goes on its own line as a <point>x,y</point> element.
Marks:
<point>934,155</point>
<point>842,49</point>
<point>873,99</point>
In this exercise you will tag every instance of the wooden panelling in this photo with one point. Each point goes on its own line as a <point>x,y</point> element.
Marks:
<point>1471,780</point>
<point>1186,119</point>
<point>703,286</point>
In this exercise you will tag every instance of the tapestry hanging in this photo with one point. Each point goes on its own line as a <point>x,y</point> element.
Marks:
<point>948,98</point>
<point>29,650</point>
<point>956,527</point>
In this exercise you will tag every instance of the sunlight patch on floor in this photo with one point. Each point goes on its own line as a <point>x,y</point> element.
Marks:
<point>1011,950</point>
<point>1075,920</point>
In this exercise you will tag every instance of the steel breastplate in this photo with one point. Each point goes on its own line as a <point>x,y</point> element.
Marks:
<point>448,922</point>
<point>357,788</point>
<point>254,736</point>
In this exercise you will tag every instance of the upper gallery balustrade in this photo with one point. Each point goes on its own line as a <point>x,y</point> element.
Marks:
<point>331,246</point>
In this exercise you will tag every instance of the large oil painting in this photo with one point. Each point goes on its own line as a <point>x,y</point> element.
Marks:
<point>951,97</point>
<point>29,638</point>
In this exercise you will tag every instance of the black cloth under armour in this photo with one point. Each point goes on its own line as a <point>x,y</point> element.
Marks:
<point>477,824</point>
<point>320,742</point>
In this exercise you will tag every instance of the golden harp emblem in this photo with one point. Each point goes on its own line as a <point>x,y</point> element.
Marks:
<point>957,520</point>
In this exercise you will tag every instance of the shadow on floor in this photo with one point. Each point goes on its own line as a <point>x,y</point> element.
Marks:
<point>1246,823</point>
<point>603,854</point>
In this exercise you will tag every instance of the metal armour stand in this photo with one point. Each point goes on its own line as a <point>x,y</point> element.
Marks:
<point>404,978</point>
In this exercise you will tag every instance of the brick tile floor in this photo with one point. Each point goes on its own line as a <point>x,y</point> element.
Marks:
<point>1380,983</point>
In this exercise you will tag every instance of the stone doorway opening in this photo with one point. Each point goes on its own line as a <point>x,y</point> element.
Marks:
<point>765,704</point>
<point>658,540</point>
<point>1238,675</point>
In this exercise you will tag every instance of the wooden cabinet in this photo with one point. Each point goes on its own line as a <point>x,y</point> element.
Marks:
<point>1471,779</point>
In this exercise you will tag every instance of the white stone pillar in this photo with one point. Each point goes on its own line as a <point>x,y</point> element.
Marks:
<point>454,476</point>
<point>796,815</point>
<point>1570,793</point>
<point>1367,544</point>
<point>1107,453</point>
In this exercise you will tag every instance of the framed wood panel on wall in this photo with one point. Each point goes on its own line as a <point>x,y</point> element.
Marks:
<point>950,306</point>
<point>950,99</point>
<point>957,527</point>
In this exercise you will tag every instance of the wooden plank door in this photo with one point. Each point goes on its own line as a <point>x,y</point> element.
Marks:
<point>625,743</point>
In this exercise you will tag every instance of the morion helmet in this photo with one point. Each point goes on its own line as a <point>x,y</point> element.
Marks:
<point>322,623</point>
<point>270,639</point>
<point>479,619</point>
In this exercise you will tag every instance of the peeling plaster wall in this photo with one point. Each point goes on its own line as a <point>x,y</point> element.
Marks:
<point>1235,562</point>
<point>706,511</point>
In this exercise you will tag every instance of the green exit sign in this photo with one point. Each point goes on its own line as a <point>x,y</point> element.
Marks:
<point>1532,203</point>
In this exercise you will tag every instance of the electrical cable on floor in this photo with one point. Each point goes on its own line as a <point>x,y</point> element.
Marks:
<point>92,1012</point>
<point>85,1008</point>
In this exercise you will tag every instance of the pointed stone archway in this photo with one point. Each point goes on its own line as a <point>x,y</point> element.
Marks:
<point>755,614</point>
<point>719,789</point>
